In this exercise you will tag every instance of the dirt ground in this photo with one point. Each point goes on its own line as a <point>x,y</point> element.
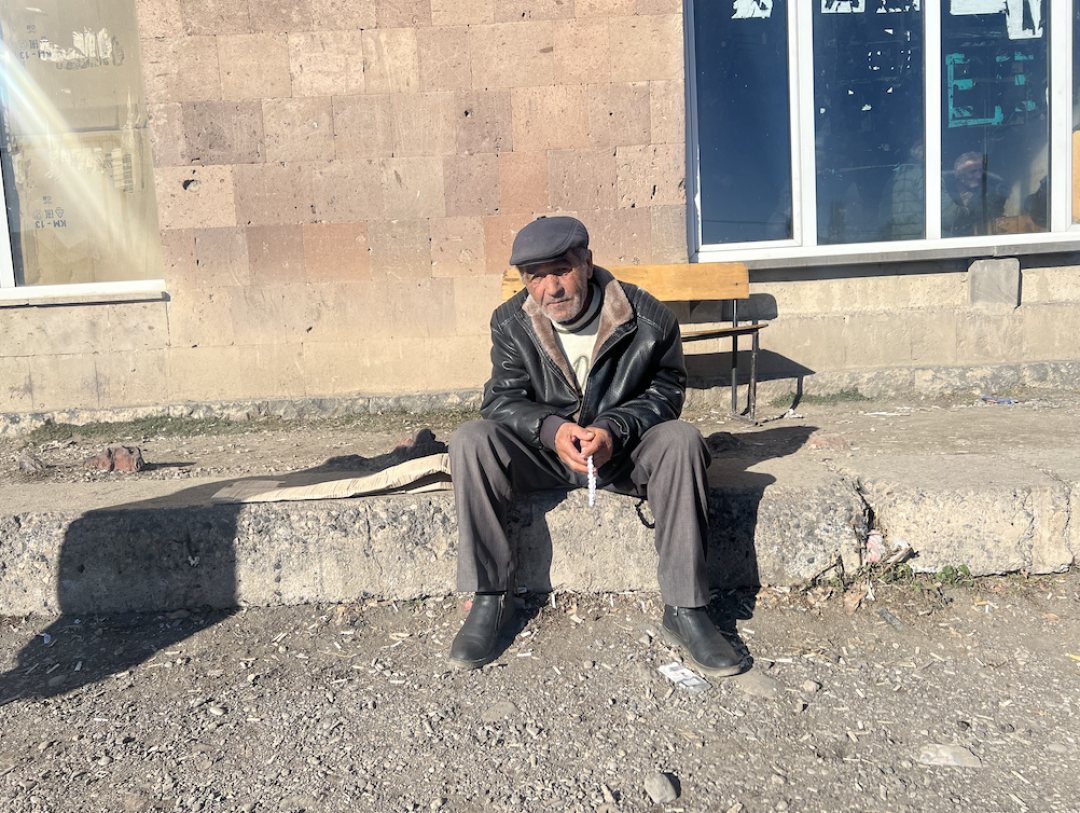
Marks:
<point>946,425</point>
<point>346,708</point>
<point>955,698</point>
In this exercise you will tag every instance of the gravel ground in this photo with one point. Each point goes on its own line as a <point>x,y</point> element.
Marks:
<point>354,708</point>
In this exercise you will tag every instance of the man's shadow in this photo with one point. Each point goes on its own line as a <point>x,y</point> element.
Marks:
<point>128,557</point>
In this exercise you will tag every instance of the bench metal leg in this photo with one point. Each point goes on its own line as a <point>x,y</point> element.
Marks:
<point>751,395</point>
<point>735,375</point>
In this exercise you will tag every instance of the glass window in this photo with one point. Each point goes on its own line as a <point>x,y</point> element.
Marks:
<point>930,126</point>
<point>76,160</point>
<point>868,125</point>
<point>995,121</point>
<point>742,103</point>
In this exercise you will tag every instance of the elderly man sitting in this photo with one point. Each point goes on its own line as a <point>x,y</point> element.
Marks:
<point>583,366</point>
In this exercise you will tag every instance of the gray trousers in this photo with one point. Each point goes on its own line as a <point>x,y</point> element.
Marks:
<point>489,464</point>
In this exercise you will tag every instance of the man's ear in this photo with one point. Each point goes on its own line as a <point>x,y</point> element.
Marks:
<point>588,263</point>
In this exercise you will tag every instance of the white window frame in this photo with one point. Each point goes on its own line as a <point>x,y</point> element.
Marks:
<point>802,248</point>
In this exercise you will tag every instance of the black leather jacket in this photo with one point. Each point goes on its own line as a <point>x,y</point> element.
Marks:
<point>637,379</point>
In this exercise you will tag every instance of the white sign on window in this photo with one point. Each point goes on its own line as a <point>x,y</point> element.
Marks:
<point>843,6</point>
<point>1023,18</point>
<point>745,9</point>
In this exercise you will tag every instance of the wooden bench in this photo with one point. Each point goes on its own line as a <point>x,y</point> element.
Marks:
<point>694,282</point>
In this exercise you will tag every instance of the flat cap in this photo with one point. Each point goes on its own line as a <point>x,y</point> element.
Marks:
<point>547,239</point>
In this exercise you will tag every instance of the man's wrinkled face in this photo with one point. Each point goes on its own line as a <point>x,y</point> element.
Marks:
<point>970,174</point>
<point>560,287</point>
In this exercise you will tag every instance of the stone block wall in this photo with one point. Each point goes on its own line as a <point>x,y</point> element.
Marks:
<point>339,184</point>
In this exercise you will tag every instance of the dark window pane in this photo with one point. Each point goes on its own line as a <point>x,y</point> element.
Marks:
<point>743,119</point>
<point>995,121</point>
<point>868,99</point>
<point>1076,114</point>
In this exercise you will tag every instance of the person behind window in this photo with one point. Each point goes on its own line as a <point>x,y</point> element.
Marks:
<point>971,197</point>
<point>901,211</point>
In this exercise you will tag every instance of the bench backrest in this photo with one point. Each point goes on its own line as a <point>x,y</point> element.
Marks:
<point>670,283</point>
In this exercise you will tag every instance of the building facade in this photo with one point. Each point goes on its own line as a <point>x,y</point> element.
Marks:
<point>232,201</point>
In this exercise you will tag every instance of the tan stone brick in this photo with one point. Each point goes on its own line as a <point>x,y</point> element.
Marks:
<point>63,382</point>
<point>933,337</point>
<point>499,234</point>
<point>336,252</point>
<point>472,184</point>
<point>217,132</point>
<point>877,340</point>
<point>269,314</point>
<point>443,55</point>
<point>178,253</point>
<point>403,13</point>
<point>652,175</point>
<point>619,115</point>
<point>195,197</point>
<point>272,16</point>
<point>424,123</point>
<point>462,12</point>
<point>514,11</point>
<point>581,52</point>
<point>334,368</point>
<point>159,18</point>
<point>326,63</point>
<point>523,182</point>
<point>131,378</point>
<point>391,63</point>
<point>645,7</point>
<point>475,299</point>
<point>213,17</point>
<point>413,188</point>
<point>459,363</point>
<point>267,194</point>
<point>421,307</point>
<point>815,342</point>
<point>669,235</point>
<point>165,124</point>
<point>20,331</point>
<point>457,247</point>
<point>298,129</point>
<point>363,127</point>
<point>644,48</point>
<point>254,66</point>
<point>201,317</point>
<point>605,8</point>
<point>347,15</point>
<point>667,102</point>
<point>1043,336</point>
<point>395,365</point>
<point>348,191</point>
<point>348,311</point>
<point>276,255</point>
<point>181,69</point>
<point>15,390</point>
<point>237,372</point>
<point>550,118</point>
<point>582,179</point>
<point>511,55</point>
<point>400,249</point>
<point>619,236</point>
<point>223,257</point>
<point>484,121</point>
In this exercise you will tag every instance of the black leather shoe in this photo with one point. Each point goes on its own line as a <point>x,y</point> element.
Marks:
<point>474,645</point>
<point>708,650</point>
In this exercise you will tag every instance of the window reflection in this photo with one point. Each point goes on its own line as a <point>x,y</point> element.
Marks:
<point>76,157</point>
<point>868,98</point>
<point>995,121</point>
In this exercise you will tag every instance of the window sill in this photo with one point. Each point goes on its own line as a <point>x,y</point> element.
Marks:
<point>759,256</point>
<point>91,293</point>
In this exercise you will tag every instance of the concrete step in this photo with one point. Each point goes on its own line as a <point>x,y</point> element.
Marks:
<point>152,545</point>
